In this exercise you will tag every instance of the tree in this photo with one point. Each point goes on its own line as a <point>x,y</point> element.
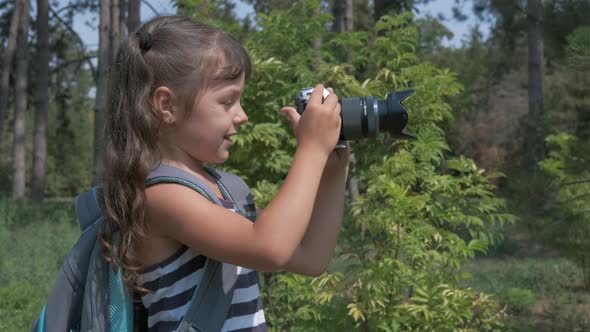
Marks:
<point>115,28</point>
<point>343,16</point>
<point>122,20</point>
<point>219,13</point>
<point>421,214</point>
<point>134,17</point>
<point>566,217</point>
<point>41,95</point>
<point>104,61</point>
<point>534,136</point>
<point>20,109</point>
<point>83,54</point>
<point>267,6</point>
<point>385,7</point>
<point>7,65</point>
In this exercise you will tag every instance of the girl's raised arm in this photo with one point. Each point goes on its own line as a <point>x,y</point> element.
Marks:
<point>179,213</point>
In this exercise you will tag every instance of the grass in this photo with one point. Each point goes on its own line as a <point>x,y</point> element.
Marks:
<point>34,239</point>
<point>539,294</point>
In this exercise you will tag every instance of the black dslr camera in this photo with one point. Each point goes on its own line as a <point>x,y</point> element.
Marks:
<point>367,116</point>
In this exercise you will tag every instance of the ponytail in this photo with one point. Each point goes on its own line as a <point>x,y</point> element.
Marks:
<point>131,136</point>
<point>171,51</point>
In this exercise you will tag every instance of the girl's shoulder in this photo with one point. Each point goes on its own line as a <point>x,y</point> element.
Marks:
<point>216,186</point>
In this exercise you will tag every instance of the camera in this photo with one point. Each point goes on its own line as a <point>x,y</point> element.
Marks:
<point>365,117</point>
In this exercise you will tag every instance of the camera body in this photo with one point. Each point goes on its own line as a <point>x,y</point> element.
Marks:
<point>365,117</point>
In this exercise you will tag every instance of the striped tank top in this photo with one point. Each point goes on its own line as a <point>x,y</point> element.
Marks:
<point>174,280</point>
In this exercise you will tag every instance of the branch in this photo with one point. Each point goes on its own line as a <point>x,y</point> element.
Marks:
<point>574,198</point>
<point>75,6</point>
<point>67,63</point>
<point>83,49</point>
<point>150,7</point>
<point>575,182</point>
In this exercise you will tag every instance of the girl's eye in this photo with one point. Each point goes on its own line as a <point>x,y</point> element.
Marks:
<point>228,103</point>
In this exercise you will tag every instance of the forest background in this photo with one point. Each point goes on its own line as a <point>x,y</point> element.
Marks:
<point>481,224</point>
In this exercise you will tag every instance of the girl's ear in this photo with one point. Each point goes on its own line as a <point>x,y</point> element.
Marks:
<point>164,101</point>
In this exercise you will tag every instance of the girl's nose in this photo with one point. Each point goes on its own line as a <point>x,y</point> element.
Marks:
<point>241,116</point>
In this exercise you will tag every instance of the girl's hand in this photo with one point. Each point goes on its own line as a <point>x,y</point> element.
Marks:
<point>319,126</point>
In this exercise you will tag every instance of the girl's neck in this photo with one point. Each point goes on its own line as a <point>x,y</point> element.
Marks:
<point>195,167</point>
<point>197,170</point>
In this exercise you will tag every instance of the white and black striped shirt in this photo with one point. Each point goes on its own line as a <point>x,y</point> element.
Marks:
<point>174,280</point>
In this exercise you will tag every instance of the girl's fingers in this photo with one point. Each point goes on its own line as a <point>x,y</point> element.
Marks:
<point>292,115</point>
<point>316,95</point>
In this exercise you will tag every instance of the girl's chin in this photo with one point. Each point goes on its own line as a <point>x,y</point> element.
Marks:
<point>221,157</point>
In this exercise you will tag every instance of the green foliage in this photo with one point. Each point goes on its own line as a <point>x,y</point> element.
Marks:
<point>568,222</point>
<point>70,134</point>
<point>421,214</point>
<point>578,49</point>
<point>218,13</point>
<point>519,300</point>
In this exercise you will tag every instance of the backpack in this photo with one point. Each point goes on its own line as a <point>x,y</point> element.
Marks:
<point>89,296</point>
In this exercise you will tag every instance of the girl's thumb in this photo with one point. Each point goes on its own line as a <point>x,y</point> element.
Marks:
<point>291,113</point>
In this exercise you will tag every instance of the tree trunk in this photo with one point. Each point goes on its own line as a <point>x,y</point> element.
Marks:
<point>338,9</point>
<point>20,109</point>
<point>384,7</point>
<point>41,95</point>
<point>362,15</point>
<point>7,65</point>
<point>343,19</point>
<point>534,136</point>
<point>84,56</point>
<point>348,18</point>
<point>104,61</point>
<point>134,16</point>
<point>115,28</point>
<point>378,10</point>
<point>123,5</point>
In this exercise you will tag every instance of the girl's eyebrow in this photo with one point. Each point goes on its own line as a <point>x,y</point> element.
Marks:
<point>231,89</point>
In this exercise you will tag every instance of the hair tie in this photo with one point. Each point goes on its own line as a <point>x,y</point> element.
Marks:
<point>145,40</point>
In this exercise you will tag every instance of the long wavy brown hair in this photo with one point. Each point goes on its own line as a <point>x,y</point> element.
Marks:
<point>175,52</point>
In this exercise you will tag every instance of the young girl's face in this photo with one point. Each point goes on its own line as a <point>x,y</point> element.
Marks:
<point>205,135</point>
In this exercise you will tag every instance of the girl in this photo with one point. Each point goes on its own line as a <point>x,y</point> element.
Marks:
<point>175,102</point>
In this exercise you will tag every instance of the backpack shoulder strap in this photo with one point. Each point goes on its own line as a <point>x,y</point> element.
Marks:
<point>87,208</point>
<point>171,174</point>
<point>238,189</point>
<point>212,298</point>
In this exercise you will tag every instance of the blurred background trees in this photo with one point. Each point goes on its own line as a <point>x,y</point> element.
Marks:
<point>481,224</point>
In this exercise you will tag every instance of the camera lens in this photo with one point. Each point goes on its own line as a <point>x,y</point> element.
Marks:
<point>364,117</point>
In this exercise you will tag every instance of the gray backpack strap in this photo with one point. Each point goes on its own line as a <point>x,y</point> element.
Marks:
<point>241,194</point>
<point>170,174</point>
<point>95,310</point>
<point>212,298</point>
<point>87,208</point>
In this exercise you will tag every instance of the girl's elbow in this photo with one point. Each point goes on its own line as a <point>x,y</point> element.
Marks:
<point>307,268</point>
<point>314,272</point>
<point>277,258</point>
